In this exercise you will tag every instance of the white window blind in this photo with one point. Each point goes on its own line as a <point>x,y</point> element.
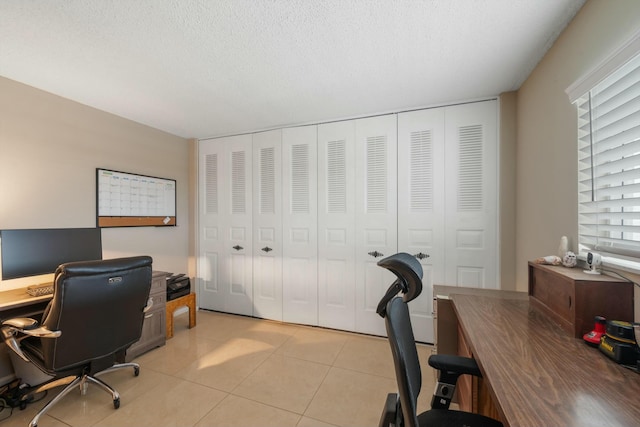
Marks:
<point>609,165</point>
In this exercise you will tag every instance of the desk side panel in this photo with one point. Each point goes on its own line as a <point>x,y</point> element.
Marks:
<point>446,327</point>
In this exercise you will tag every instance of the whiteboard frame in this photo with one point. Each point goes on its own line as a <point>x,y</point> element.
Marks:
<point>163,218</point>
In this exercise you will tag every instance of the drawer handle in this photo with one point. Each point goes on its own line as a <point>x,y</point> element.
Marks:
<point>569,301</point>
<point>267,249</point>
<point>421,256</point>
<point>238,247</point>
<point>376,254</point>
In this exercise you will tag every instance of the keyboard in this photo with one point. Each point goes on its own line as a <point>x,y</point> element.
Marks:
<point>40,290</point>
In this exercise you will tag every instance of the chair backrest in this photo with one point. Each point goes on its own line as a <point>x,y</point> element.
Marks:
<point>99,308</point>
<point>405,358</point>
<point>408,272</point>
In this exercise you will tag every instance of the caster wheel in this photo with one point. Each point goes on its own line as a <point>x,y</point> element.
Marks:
<point>23,405</point>
<point>116,403</point>
<point>136,371</point>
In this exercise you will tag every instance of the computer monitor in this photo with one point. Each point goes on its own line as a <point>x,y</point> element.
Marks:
<point>31,252</point>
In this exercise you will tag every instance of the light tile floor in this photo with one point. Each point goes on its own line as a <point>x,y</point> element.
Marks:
<point>239,371</point>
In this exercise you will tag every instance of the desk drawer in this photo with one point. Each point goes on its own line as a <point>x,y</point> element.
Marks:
<point>159,299</point>
<point>159,282</point>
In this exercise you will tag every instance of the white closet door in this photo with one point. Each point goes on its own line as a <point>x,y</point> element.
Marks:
<point>300,225</point>
<point>267,225</point>
<point>376,216</point>
<point>212,252</point>
<point>421,206</point>
<point>336,225</point>
<point>472,251</point>
<point>224,264</point>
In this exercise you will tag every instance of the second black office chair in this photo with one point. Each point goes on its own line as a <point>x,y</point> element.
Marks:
<point>401,408</point>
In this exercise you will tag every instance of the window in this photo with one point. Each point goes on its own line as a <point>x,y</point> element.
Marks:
<point>609,167</point>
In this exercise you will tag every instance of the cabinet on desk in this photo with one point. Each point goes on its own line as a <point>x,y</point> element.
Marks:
<point>154,326</point>
<point>573,298</point>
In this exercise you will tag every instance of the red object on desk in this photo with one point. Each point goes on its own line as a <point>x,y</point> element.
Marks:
<point>593,337</point>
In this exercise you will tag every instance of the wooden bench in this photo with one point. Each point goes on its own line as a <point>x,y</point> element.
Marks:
<point>186,300</point>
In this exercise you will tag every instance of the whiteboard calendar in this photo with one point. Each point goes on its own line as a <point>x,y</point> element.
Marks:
<point>125,199</point>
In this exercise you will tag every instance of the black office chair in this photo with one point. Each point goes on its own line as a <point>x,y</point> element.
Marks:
<point>95,314</point>
<point>401,408</point>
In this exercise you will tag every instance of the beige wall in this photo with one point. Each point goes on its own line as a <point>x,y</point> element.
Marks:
<point>507,199</point>
<point>546,131</point>
<point>50,148</point>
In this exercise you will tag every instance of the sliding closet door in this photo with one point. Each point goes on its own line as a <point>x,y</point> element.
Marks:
<point>421,215</point>
<point>472,250</point>
<point>300,225</point>
<point>336,225</point>
<point>224,264</point>
<point>376,215</point>
<point>267,225</point>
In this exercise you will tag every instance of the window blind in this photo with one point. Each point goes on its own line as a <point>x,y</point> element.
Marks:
<point>609,164</point>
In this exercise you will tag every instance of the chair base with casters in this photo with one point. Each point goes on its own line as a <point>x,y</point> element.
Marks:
<point>71,382</point>
<point>400,409</point>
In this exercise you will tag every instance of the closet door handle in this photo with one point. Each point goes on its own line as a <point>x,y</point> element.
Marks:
<point>420,255</point>
<point>267,249</point>
<point>376,254</point>
<point>238,247</point>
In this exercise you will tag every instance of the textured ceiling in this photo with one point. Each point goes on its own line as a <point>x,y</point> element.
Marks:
<point>210,68</point>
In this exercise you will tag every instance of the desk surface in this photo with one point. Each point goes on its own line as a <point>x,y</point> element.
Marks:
<point>538,375</point>
<point>19,298</point>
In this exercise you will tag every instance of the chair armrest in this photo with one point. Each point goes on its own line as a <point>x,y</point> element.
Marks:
<point>25,326</point>
<point>21,323</point>
<point>148,306</point>
<point>449,369</point>
<point>391,412</point>
<point>455,364</point>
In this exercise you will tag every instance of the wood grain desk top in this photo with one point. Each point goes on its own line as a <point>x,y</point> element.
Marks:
<point>538,375</point>
<point>19,298</point>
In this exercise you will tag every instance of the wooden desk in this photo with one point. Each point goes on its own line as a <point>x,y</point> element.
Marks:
<point>536,374</point>
<point>18,303</point>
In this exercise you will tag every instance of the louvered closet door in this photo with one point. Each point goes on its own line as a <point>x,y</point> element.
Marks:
<point>376,215</point>
<point>336,225</point>
<point>267,225</point>
<point>211,250</point>
<point>224,264</point>
<point>421,206</point>
<point>472,251</point>
<point>300,225</point>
